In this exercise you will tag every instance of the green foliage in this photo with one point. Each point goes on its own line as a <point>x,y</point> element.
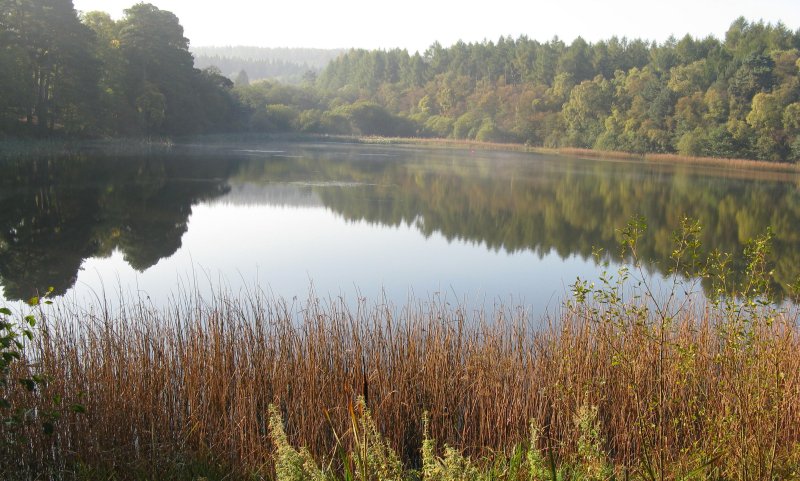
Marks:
<point>701,97</point>
<point>11,346</point>
<point>589,104</point>
<point>369,118</point>
<point>46,44</point>
<point>452,467</point>
<point>275,118</point>
<point>13,336</point>
<point>372,459</point>
<point>96,76</point>
<point>20,380</point>
<point>692,143</point>
<point>466,126</point>
<point>489,132</point>
<point>151,106</point>
<point>290,464</point>
<point>439,126</point>
<point>794,155</point>
<point>537,467</point>
<point>591,464</point>
<point>731,98</point>
<point>743,311</point>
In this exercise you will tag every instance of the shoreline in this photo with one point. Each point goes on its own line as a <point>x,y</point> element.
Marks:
<point>15,147</point>
<point>727,163</point>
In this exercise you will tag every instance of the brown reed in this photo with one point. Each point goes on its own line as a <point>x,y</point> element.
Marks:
<point>195,381</point>
<point>721,162</point>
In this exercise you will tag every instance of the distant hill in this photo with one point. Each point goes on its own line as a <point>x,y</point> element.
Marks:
<point>285,64</point>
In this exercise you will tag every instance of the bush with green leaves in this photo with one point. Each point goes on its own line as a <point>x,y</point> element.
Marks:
<point>741,311</point>
<point>291,464</point>
<point>13,374</point>
<point>28,412</point>
<point>370,458</point>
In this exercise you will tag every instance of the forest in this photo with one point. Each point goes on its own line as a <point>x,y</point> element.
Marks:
<point>61,74</point>
<point>736,97</point>
<point>65,74</point>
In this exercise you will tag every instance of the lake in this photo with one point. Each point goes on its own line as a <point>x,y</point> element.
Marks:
<point>380,222</point>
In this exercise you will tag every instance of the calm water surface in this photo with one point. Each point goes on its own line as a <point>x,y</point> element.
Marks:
<point>354,221</point>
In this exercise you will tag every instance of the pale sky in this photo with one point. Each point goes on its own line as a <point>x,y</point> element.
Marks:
<point>416,24</point>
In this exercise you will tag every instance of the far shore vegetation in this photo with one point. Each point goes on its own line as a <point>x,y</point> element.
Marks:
<point>729,163</point>
<point>90,76</point>
<point>26,147</point>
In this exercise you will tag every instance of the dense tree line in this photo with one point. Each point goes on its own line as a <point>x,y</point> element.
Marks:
<point>735,97</point>
<point>96,76</point>
<point>732,97</point>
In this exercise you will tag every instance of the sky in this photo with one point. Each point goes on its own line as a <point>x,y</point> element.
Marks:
<point>415,24</point>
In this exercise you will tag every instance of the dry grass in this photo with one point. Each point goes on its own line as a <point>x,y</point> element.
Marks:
<point>745,164</point>
<point>726,163</point>
<point>197,380</point>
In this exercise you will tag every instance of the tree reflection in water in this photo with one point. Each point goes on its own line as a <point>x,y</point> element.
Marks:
<point>57,211</point>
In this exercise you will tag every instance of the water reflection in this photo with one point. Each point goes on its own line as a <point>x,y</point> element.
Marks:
<point>56,212</point>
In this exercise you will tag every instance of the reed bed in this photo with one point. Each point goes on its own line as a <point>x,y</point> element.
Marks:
<point>706,390</point>
<point>748,165</point>
<point>722,162</point>
<point>731,166</point>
